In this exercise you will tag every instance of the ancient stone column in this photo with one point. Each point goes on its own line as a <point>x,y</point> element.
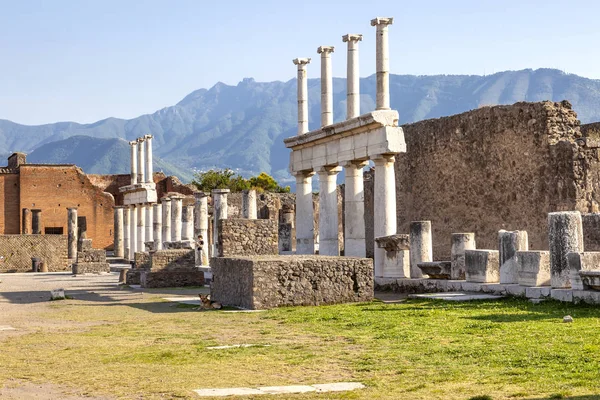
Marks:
<point>166,219</point>
<point>133,232</point>
<point>328,211</point>
<point>219,198</point>
<point>382,62</point>
<point>201,212</point>
<point>118,232</point>
<point>36,222</point>
<point>326,86</point>
<point>509,243</point>
<point>302,94</point>
<point>134,171</point>
<point>384,205</point>
<point>26,223</point>
<point>141,228</point>
<point>187,224</point>
<point>249,204</point>
<point>149,169</point>
<point>176,215</point>
<point>141,163</point>
<point>149,223</point>
<point>305,227</point>
<point>354,217</point>
<point>126,232</point>
<point>565,234</point>
<point>353,77</point>
<point>421,246</point>
<point>461,242</point>
<point>157,226</point>
<point>72,232</point>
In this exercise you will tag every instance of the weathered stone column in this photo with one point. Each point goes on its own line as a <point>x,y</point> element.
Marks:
<point>133,231</point>
<point>157,226</point>
<point>509,243</point>
<point>305,227</point>
<point>353,77</point>
<point>149,236</point>
<point>149,169</point>
<point>126,230</point>
<point>141,163</point>
<point>328,211</point>
<point>202,226</point>
<point>134,171</point>
<point>36,222</point>
<point>166,219</point>
<point>384,205</point>
<point>26,223</point>
<point>461,242</point>
<point>219,201</point>
<point>249,204</point>
<point>565,234</point>
<point>302,95</point>
<point>354,196</point>
<point>141,227</point>
<point>118,232</point>
<point>176,211</point>
<point>187,226</point>
<point>72,232</point>
<point>421,246</point>
<point>382,62</point>
<point>326,85</point>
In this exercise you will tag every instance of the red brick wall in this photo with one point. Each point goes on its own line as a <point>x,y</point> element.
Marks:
<point>10,215</point>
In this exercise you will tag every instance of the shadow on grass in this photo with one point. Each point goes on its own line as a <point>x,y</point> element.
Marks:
<point>558,396</point>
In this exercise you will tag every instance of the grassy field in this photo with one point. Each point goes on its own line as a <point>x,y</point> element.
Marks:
<point>418,349</point>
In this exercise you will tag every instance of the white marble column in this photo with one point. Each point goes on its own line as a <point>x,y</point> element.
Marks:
<point>126,230</point>
<point>134,171</point>
<point>384,205</point>
<point>249,204</point>
<point>329,244</point>
<point>176,210</point>
<point>118,232</point>
<point>187,224</point>
<point>302,95</point>
<point>354,218</point>
<point>157,226</point>
<point>141,161</point>
<point>133,232</point>
<point>149,169</point>
<point>149,223</point>
<point>305,226</point>
<point>382,62</point>
<point>220,209</point>
<point>166,219</point>
<point>421,246</point>
<point>326,86</point>
<point>353,77</point>
<point>72,232</point>
<point>141,227</point>
<point>201,221</point>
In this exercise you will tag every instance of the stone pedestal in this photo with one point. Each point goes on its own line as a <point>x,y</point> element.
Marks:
<point>157,226</point>
<point>384,206</point>
<point>249,204</point>
<point>36,222</point>
<point>509,243</point>
<point>533,268</point>
<point>72,232</point>
<point>482,266</point>
<point>421,247</point>
<point>578,262</point>
<point>26,223</point>
<point>565,235</point>
<point>328,212</point>
<point>118,247</point>
<point>166,219</point>
<point>126,232</point>
<point>354,218</point>
<point>176,215</point>
<point>460,243</point>
<point>305,228</point>
<point>396,257</point>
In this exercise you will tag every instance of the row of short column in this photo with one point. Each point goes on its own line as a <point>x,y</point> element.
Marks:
<point>32,221</point>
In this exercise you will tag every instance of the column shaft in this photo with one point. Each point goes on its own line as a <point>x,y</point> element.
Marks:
<point>220,210</point>
<point>149,223</point>
<point>126,232</point>
<point>141,227</point>
<point>329,244</point>
<point>166,219</point>
<point>249,204</point>
<point>176,209</point>
<point>384,206</point>
<point>133,232</point>
<point>201,213</point>
<point>187,224</point>
<point>118,232</point>
<point>149,169</point>
<point>72,233</point>
<point>382,62</point>
<point>302,95</point>
<point>157,226</point>
<point>354,196</point>
<point>141,161</point>
<point>134,171</point>
<point>353,77</point>
<point>26,223</point>
<point>36,222</point>
<point>421,246</point>
<point>326,85</point>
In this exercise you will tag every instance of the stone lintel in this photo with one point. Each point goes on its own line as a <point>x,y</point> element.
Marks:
<point>355,37</point>
<point>301,61</point>
<point>382,21</point>
<point>137,187</point>
<point>325,49</point>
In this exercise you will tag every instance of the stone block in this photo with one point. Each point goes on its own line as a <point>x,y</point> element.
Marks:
<point>90,268</point>
<point>436,269</point>
<point>590,279</point>
<point>57,294</point>
<point>171,278</point>
<point>565,295</point>
<point>397,256</point>
<point>578,262</point>
<point>455,286</point>
<point>494,288</point>
<point>537,292</point>
<point>482,266</point>
<point>516,290</point>
<point>533,268</point>
<point>460,243</point>
<point>586,296</point>
<point>247,237</point>
<point>565,235</point>
<point>470,286</point>
<point>509,243</point>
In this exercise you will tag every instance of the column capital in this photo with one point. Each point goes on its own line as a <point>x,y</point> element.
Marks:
<point>356,164</point>
<point>133,143</point>
<point>325,49</point>
<point>304,174</point>
<point>300,62</point>
<point>166,198</point>
<point>140,140</point>
<point>72,208</point>
<point>148,136</point>
<point>220,191</point>
<point>118,207</point>
<point>177,196</point>
<point>352,37</point>
<point>200,195</point>
<point>383,158</point>
<point>382,21</point>
<point>330,170</point>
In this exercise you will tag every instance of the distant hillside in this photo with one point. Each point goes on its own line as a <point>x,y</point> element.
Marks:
<point>97,156</point>
<point>242,126</point>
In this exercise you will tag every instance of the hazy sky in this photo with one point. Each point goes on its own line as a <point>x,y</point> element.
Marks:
<point>84,60</point>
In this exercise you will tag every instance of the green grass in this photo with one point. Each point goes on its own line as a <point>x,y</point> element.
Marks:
<point>418,349</point>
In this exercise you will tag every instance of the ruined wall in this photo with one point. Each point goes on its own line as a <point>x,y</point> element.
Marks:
<point>494,168</point>
<point>10,210</point>
<point>245,237</point>
<point>17,251</point>
<point>54,188</point>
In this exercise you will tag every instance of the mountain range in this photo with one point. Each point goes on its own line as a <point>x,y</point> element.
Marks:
<point>242,127</point>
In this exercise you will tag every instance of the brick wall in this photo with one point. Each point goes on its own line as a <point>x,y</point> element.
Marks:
<point>10,211</point>
<point>239,236</point>
<point>18,250</point>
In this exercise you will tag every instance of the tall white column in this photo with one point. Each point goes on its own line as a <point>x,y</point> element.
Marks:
<point>133,232</point>
<point>134,171</point>
<point>176,209</point>
<point>141,161</point>
<point>249,204</point>
<point>302,94</point>
<point>384,205</point>
<point>141,227</point>
<point>157,226</point>
<point>353,77</point>
<point>118,232</point>
<point>149,169</point>
<point>72,232</point>
<point>166,219</point>
<point>220,209</point>
<point>126,230</point>
<point>187,224</point>
<point>326,86</point>
<point>201,221</point>
<point>329,244</point>
<point>149,223</point>
<point>354,197</point>
<point>382,62</point>
<point>305,226</point>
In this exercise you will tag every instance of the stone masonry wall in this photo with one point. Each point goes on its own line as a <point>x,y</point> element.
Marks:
<point>245,237</point>
<point>17,251</point>
<point>263,282</point>
<point>10,204</point>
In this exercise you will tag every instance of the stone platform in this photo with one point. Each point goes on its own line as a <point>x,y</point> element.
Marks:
<point>263,282</point>
<point>165,268</point>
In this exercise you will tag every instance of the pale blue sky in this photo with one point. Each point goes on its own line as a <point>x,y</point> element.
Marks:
<point>84,60</point>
